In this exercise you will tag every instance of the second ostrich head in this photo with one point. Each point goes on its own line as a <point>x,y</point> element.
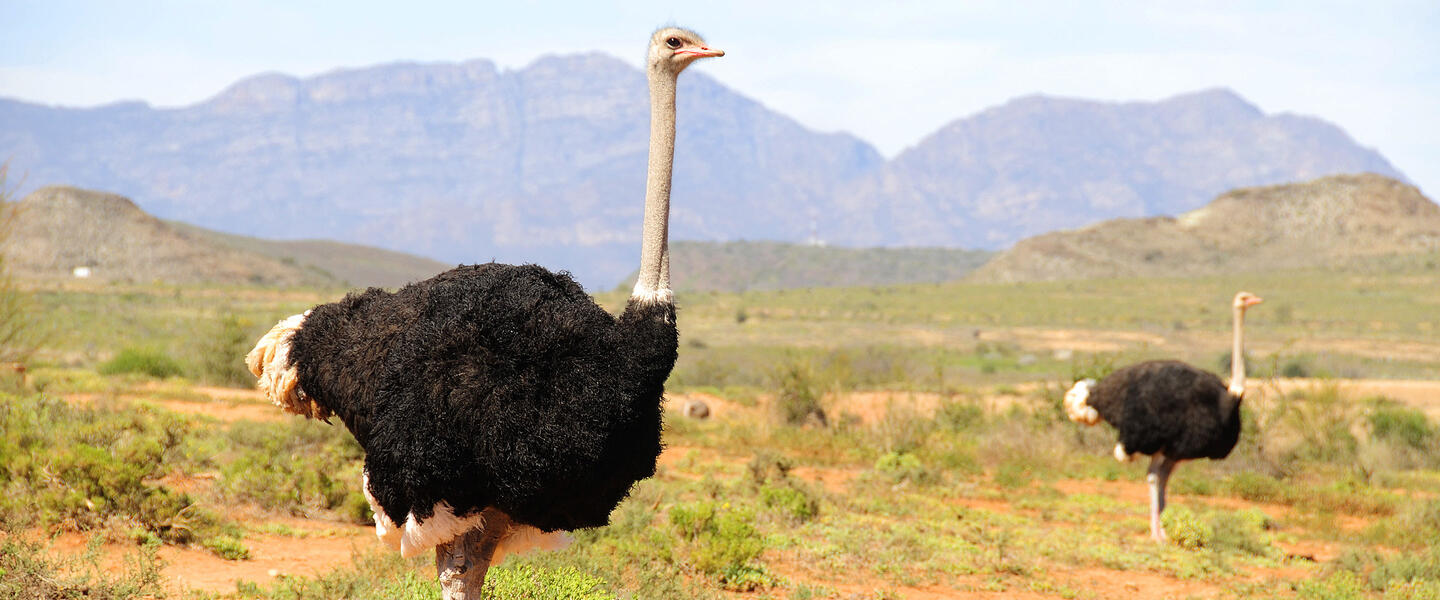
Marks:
<point>1243,301</point>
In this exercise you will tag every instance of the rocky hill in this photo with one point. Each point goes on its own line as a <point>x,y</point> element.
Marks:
<point>55,230</point>
<point>467,162</point>
<point>742,266</point>
<point>1330,221</point>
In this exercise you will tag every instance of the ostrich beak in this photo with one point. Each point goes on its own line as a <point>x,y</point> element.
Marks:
<point>1253,300</point>
<point>703,52</point>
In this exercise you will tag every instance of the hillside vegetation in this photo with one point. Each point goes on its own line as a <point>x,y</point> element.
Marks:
<point>741,266</point>
<point>354,264</point>
<point>1340,221</point>
<point>58,229</point>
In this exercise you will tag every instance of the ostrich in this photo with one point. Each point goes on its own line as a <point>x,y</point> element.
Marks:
<point>498,406</point>
<point>1169,410</point>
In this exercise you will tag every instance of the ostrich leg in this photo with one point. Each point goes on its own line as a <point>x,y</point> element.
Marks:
<point>462,562</point>
<point>1159,473</point>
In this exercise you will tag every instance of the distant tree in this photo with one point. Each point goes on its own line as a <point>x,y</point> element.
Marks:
<point>18,333</point>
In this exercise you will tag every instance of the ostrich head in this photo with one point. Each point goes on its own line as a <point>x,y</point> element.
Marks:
<point>672,49</point>
<point>1244,300</point>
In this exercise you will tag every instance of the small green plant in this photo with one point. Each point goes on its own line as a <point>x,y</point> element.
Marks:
<point>143,361</point>
<point>227,547</point>
<point>719,537</point>
<point>959,417</point>
<point>790,500</point>
<point>898,467</point>
<point>798,392</point>
<point>1186,530</point>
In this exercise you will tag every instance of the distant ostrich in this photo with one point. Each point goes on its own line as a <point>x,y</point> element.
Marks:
<point>1169,410</point>
<point>497,405</point>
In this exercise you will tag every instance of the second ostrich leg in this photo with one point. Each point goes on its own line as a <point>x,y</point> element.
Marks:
<point>1158,474</point>
<point>462,562</point>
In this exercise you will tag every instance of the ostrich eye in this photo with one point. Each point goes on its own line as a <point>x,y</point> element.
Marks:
<point>673,43</point>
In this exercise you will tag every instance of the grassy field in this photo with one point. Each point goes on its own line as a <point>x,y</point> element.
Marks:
<point>946,469</point>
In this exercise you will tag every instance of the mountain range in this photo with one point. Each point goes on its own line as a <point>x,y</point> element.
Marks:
<point>466,162</point>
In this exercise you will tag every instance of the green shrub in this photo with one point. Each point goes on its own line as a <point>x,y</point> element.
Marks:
<point>904,466</point>
<point>1014,475</point>
<point>88,463</point>
<point>959,417</point>
<point>1340,585</point>
<point>1186,530</point>
<point>790,500</point>
<point>526,582</point>
<point>1402,425</point>
<point>798,392</point>
<point>297,465</point>
<point>26,573</point>
<point>1406,567</point>
<point>719,537</point>
<point>142,361</point>
<point>222,351</point>
<point>1256,487</point>
<point>1417,525</point>
<point>1242,531</point>
<point>227,547</point>
<point>1415,589</point>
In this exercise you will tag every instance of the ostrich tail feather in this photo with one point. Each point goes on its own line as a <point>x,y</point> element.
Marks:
<point>1076,406</point>
<point>278,379</point>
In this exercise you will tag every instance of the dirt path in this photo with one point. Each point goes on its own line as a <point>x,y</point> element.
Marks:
<point>307,548</point>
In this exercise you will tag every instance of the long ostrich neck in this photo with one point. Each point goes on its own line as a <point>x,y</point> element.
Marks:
<point>1237,355</point>
<point>654,280</point>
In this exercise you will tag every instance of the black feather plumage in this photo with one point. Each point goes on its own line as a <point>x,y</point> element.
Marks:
<point>494,386</point>
<point>1169,407</point>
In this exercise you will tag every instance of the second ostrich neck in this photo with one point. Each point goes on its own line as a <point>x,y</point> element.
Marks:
<point>653,282</point>
<point>1237,356</point>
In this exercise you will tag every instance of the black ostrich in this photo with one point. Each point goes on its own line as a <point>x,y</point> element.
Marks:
<point>497,405</point>
<point>1169,410</point>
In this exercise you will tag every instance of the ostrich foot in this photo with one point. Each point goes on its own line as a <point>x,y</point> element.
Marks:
<point>462,562</point>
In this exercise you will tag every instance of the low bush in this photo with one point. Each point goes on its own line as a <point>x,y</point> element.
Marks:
<point>298,466</point>
<point>527,582</point>
<point>1244,531</point>
<point>26,573</point>
<point>719,538</point>
<point>1405,426</point>
<point>897,467</point>
<point>142,361</point>
<point>1186,530</point>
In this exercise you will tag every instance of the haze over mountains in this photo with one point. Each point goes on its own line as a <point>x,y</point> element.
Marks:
<point>465,162</point>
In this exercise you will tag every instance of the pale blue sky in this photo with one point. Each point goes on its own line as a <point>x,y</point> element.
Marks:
<point>889,72</point>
